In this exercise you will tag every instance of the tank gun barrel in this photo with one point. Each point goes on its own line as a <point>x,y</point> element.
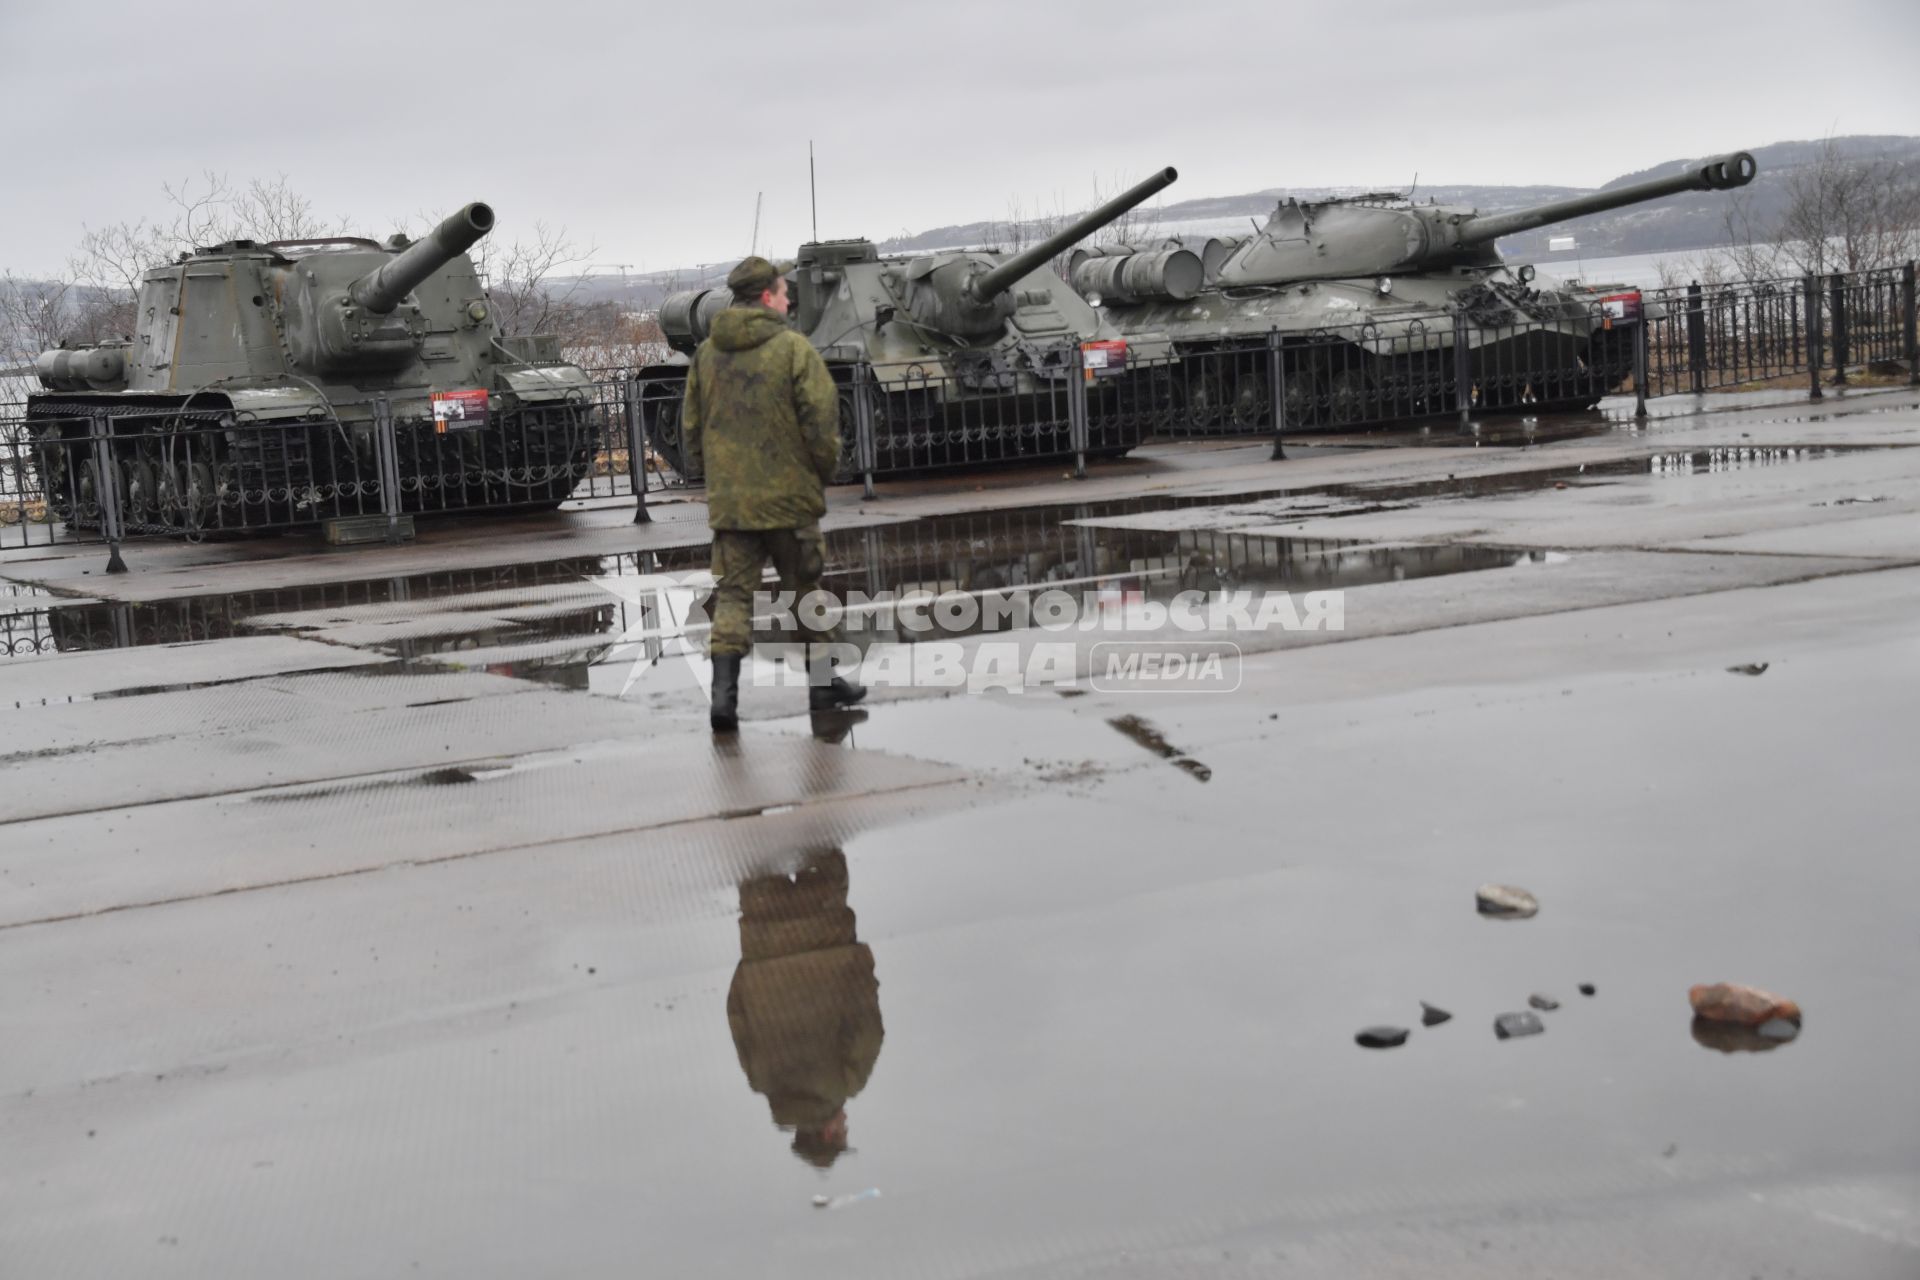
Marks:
<point>381,289</point>
<point>982,287</point>
<point>1722,173</point>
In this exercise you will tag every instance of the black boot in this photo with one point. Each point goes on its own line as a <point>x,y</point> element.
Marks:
<point>825,691</point>
<point>724,715</point>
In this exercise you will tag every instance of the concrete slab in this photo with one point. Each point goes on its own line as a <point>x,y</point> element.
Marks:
<point>173,850</point>
<point>71,677</point>
<point>411,733</point>
<point>1894,535</point>
<point>278,1005</point>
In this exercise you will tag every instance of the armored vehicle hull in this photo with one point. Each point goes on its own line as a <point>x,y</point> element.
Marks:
<point>257,387</point>
<point>948,358</point>
<point>1381,307</point>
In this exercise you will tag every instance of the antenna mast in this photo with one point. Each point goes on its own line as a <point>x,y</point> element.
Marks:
<point>757,196</point>
<point>813,192</point>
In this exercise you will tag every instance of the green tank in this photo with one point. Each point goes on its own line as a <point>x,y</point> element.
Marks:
<point>249,392</point>
<point>961,357</point>
<point>1368,295</point>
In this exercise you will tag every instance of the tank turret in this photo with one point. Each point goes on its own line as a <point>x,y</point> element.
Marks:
<point>1382,235</point>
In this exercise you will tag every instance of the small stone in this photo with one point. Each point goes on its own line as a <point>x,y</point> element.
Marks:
<point>1587,988</point>
<point>1539,1001</point>
<point>1747,1006</point>
<point>1381,1038</point>
<point>1778,1029</point>
<point>1432,1016</point>
<point>1509,1025</point>
<point>1750,669</point>
<point>1505,902</point>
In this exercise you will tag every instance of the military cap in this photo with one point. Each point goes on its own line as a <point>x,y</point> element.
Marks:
<point>754,276</point>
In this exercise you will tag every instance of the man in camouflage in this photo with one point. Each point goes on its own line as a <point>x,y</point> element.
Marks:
<point>763,419</point>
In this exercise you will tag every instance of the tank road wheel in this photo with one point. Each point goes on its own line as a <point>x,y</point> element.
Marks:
<point>1351,397</point>
<point>53,467</point>
<point>1252,400</point>
<point>170,493</point>
<point>849,466</point>
<point>86,498</point>
<point>1330,398</point>
<point>142,501</point>
<point>198,492</point>
<point>1204,393</point>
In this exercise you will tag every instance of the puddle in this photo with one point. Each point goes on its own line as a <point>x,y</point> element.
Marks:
<point>546,621</point>
<point>542,619</point>
<point>1006,734</point>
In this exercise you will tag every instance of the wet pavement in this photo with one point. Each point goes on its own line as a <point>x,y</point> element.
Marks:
<point>381,924</point>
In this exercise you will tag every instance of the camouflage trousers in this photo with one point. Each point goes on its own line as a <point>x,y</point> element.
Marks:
<point>739,555</point>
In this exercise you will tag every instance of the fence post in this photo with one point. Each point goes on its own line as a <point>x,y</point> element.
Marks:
<point>1816,335</point>
<point>1837,291</point>
<point>1462,370</point>
<point>1640,364</point>
<point>1913,329</point>
<point>636,449</point>
<point>1077,412</point>
<point>1696,339</point>
<point>106,492</point>
<point>865,450</point>
<point>386,452</point>
<point>122,624</point>
<point>1277,393</point>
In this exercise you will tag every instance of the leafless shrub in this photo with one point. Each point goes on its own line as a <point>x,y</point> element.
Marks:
<point>1021,230</point>
<point>1851,213</point>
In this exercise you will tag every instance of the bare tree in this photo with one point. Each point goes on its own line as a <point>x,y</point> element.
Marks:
<point>536,284</point>
<point>1750,254</point>
<point>106,267</point>
<point>1850,213</point>
<point>33,316</point>
<point>1138,225</point>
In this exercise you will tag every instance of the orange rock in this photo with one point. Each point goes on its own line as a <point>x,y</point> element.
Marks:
<point>1747,1006</point>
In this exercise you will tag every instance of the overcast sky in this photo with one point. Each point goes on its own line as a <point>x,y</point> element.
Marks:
<point>646,129</point>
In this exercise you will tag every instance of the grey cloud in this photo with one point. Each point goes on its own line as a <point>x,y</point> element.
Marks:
<point>649,129</point>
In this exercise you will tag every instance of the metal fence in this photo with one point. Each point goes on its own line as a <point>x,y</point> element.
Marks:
<point>72,470</point>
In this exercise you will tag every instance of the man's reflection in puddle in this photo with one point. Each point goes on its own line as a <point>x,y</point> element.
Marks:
<point>804,1006</point>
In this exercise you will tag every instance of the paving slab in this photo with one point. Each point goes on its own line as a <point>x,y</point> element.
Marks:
<point>103,672</point>
<point>330,745</point>
<point>109,859</point>
<point>1031,992</point>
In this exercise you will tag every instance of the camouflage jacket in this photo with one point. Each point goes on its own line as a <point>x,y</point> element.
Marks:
<point>763,420</point>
